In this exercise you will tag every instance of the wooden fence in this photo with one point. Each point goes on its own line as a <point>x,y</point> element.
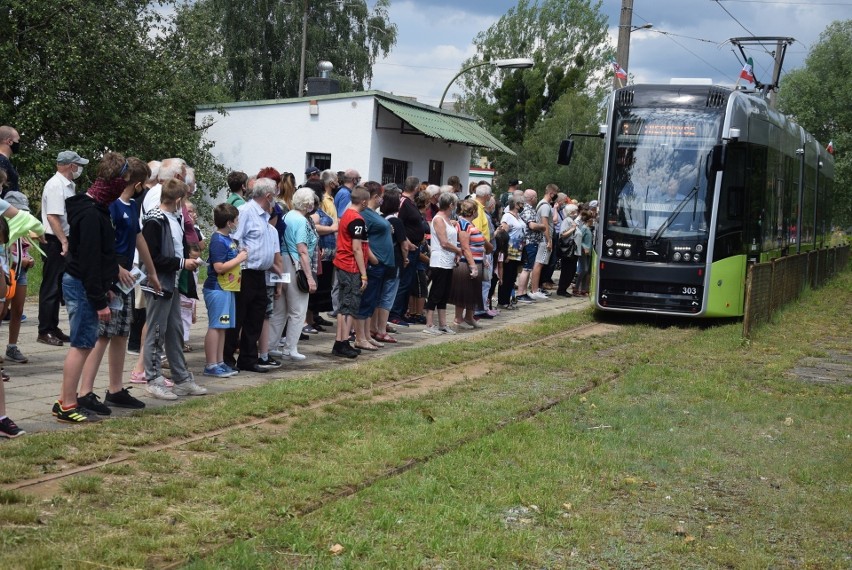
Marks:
<point>771,285</point>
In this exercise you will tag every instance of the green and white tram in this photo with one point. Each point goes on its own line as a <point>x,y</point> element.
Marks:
<point>698,182</point>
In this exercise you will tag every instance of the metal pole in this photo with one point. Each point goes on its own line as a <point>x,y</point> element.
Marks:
<point>456,76</point>
<point>799,217</point>
<point>776,74</point>
<point>622,54</point>
<point>304,50</point>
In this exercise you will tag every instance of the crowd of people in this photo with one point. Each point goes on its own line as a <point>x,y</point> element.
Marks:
<point>124,255</point>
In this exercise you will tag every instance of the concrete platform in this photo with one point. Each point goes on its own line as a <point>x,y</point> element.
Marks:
<point>34,386</point>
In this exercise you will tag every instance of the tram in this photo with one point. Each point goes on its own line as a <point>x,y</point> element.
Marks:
<point>700,181</point>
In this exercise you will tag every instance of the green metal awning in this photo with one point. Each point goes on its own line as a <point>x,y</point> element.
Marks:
<point>445,126</point>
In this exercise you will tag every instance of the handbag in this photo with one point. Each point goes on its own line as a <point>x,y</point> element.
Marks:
<point>302,281</point>
<point>567,246</point>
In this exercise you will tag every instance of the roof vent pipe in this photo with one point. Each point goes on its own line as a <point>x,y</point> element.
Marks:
<point>325,68</point>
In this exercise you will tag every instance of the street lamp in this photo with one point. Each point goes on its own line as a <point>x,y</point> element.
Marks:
<point>513,63</point>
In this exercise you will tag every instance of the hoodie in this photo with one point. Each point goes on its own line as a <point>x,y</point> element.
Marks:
<point>91,248</point>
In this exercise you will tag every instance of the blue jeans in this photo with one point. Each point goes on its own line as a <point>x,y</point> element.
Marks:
<point>406,276</point>
<point>81,315</point>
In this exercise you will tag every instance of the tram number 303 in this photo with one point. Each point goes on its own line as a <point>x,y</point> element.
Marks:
<point>690,290</point>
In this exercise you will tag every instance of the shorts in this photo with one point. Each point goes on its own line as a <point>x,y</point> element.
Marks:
<point>388,295</point>
<point>82,317</point>
<point>221,308</point>
<point>542,256</point>
<point>530,253</point>
<point>270,301</point>
<point>119,319</point>
<point>21,278</point>
<point>371,294</point>
<point>349,293</point>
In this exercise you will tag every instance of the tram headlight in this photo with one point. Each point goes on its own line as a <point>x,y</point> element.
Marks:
<point>627,253</point>
<point>610,252</point>
<point>676,256</point>
<point>609,242</point>
<point>696,257</point>
<point>699,248</point>
<point>687,256</point>
<point>618,252</point>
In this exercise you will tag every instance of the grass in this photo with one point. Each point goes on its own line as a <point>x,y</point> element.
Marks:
<point>696,450</point>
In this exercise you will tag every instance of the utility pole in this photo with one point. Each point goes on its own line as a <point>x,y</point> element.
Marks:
<point>304,49</point>
<point>622,54</point>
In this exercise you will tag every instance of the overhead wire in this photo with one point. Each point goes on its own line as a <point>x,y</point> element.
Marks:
<point>669,36</point>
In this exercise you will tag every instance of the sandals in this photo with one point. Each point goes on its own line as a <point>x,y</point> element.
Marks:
<point>187,348</point>
<point>4,375</point>
<point>384,337</point>
<point>367,346</point>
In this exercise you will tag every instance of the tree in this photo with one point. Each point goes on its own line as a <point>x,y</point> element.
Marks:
<point>94,77</point>
<point>567,40</point>
<point>261,42</point>
<point>817,97</point>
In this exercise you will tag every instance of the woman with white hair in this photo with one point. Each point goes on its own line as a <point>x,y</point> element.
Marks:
<point>299,252</point>
<point>567,249</point>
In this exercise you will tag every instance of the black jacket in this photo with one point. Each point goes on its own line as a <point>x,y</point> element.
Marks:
<point>91,248</point>
<point>158,235</point>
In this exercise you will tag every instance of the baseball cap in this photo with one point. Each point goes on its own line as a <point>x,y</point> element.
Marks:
<point>312,170</point>
<point>593,204</point>
<point>515,182</point>
<point>70,157</point>
<point>17,200</point>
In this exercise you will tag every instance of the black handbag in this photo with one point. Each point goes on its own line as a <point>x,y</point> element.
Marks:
<point>302,281</point>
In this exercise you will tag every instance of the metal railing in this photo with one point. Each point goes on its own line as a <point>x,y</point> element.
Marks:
<point>771,285</point>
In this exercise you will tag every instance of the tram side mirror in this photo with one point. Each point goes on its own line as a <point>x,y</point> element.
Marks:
<point>717,158</point>
<point>566,150</point>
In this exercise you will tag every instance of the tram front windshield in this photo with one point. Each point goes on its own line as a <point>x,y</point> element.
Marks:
<point>657,185</point>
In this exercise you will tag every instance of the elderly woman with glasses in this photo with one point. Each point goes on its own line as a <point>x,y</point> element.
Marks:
<point>298,251</point>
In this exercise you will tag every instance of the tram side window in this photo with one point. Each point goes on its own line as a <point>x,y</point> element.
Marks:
<point>730,218</point>
<point>757,198</point>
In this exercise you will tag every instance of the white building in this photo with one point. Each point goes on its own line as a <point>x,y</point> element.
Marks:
<point>384,137</point>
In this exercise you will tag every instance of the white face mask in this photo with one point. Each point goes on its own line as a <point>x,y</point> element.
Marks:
<point>77,172</point>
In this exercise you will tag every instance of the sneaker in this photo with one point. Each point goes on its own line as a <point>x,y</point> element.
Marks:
<point>229,368</point>
<point>525,299</point>
<point>75,415</point>
<point>537,295</point>
<point>308,329</point>
<point>295,356</point>
<point>433,330</point>
<point>133,351</point>
<point>342,348</point>
<point>15,355</point>
<point>276,353</point>
<point>268,362</point>
<point>138,378</point>
<point>189,388</point>
<point>398,322</point>
<point>10,429</point>
<point>217,371</point>
<point>507,308</point>
<point>447,330</point>
<point>157,389</point>
<point>92,402</point>
<point>123,399</point>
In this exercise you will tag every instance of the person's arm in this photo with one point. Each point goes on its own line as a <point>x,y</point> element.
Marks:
<point>56,225</point>
<point>548,235</point>
<point>358,253</point>
<point>145,258</point>
<point>305,262</point>
<point>440,229</point>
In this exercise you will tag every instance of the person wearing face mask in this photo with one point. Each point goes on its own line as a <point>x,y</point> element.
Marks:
<point>124,214</point>
<point>10,143</point>
<point>69,167</point>
<point>91,272</point>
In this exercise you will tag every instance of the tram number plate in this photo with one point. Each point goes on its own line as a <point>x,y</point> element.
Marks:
<point>690,290</point>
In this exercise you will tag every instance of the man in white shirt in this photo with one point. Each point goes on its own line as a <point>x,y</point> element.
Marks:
<point>69,166</point>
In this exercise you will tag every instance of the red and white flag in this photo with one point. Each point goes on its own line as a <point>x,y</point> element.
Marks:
<point>748,71</point>
<point>830,147</point>
<point>619,72</point>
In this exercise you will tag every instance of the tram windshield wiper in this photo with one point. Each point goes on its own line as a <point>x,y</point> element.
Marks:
<point>678,209</point>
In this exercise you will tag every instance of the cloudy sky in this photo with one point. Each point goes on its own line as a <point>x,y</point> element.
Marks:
<point>687,39</point>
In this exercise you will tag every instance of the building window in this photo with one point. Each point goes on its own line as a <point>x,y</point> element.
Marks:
<point>395,171</point>
<point>321,160</point>
<point>436,172</point>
